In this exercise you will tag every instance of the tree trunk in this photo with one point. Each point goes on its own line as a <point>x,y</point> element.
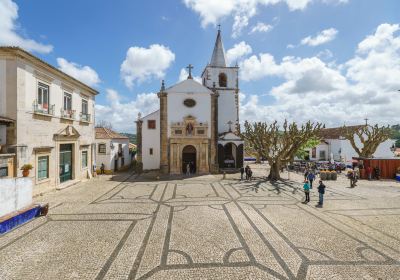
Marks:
<point>274,174</point>
<point>258,158</point>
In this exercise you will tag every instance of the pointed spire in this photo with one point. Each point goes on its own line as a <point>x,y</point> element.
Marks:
<point>218,56</point>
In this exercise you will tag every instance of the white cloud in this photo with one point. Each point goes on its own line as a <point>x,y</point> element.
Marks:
<point>212,11</point>
<point>183,75</point>
<point>238,51</point>
<point>122,115</point>
<point>85,74</point>
<point>261,27</point>
<point>143,64</point>
<point>9,30</point>
<point>314,90</point>
<point>322,37</point>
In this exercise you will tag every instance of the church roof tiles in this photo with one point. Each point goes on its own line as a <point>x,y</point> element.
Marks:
<point>105,133</point>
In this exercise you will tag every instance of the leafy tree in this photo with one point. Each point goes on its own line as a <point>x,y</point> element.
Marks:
<point>370,137</point>
<point>278,144</point>
<point>396,134</point>
<point>303,152</point>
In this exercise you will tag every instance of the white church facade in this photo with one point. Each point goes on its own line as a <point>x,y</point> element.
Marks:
<point>197,123</point>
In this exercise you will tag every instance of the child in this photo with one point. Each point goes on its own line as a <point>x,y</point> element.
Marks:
<point>306,188</point>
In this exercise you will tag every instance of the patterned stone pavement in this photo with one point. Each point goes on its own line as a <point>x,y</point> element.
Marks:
<point>208,228</point>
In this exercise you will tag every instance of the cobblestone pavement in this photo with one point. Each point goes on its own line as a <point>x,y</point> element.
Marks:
<point>208,228</point>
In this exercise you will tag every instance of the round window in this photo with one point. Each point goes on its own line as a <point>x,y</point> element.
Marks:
<point>189,102</point>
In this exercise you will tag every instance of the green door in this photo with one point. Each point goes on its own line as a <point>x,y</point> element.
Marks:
<point>65,162</point>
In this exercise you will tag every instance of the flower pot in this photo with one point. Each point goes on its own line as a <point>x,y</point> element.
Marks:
<point>25,172</point>
<point>398,176</point>
<point>334,176</point>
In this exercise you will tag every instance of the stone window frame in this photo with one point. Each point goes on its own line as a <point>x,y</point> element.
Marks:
<point>47,168</point>
<point>98,148</point>
<point>43,84</point>
<point>87,159</point>
<point>38,154</point>
<point>222,80</point>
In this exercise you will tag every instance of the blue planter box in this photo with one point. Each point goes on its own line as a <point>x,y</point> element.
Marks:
<point>398,177</point>
<point>19,219</point>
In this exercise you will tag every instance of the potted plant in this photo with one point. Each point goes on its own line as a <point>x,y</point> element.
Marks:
<point>25,169</point>
<point>398,174</point>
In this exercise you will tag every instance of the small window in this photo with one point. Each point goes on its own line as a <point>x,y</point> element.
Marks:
<point>222,80</point>
<point>151,151</point>
<point>102,148</point>
<point>322,155</point>
<point>43,167</point>
<point>178,131</point>
<point>151,124</point>
<point>200,131</point>
<point>84,159</point>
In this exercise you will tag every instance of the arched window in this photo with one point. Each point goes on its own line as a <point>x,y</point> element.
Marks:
<point>222,80</point>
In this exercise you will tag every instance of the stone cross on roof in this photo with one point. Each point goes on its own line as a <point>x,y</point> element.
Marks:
<point>190,67</point>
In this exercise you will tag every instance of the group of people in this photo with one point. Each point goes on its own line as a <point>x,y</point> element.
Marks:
<point>309,178</point>
<point>373,172</point>
<point>190,169</point>
<point>246,170</point>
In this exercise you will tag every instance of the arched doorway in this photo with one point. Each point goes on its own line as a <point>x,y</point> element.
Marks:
<point>189,159</point>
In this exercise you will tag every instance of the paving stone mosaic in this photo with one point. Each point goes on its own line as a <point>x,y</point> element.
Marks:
<point>132,227</point>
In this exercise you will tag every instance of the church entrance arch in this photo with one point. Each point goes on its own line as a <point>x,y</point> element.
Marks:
<point>189,159</point>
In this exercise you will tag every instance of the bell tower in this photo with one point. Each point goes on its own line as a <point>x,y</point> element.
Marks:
<point>224,79</point>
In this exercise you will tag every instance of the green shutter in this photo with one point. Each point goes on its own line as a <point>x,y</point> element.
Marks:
<point>43,163</point>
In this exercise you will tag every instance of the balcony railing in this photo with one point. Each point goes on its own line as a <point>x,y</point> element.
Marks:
<point>85,117</point>
<point>45,109</point>
<point>68,114</point>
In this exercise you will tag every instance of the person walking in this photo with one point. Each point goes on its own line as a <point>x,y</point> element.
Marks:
<point>321,191</point>
<point>246,170</point>
<point>188,169</point>
<point>250,173</point>
<point>102,167</point>
<point>369,172</point>
<point>311,178</point>
<point>306,188</point>
<point>241,173</point>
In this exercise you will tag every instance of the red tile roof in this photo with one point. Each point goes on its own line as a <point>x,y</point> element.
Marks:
<point>105,133</point>
<point>335,132</point>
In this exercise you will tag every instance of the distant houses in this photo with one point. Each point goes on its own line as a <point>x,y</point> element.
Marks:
<point>334,146</point>
<point>112,150</point>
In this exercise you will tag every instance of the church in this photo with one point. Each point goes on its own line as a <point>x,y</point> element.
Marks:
<point>197,124</point>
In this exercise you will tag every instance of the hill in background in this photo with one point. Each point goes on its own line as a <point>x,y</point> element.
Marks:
<point>132,137</point>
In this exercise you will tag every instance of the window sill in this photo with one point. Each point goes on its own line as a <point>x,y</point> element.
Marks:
<point>67,118</point>
<point>41,181</point>
<point>83,121</point>
<point>43,114</point>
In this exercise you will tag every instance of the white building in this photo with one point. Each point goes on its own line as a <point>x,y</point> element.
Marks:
<point>196,124</point>
<point>112,150</point>
<point>335,147</point>
<point>52,119</point>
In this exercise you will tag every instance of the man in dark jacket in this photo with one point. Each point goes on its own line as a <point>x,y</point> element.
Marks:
<point>241,173</point>
<point>321,191</point>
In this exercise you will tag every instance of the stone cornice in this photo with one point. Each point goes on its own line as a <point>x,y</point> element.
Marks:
<point>26,56</point>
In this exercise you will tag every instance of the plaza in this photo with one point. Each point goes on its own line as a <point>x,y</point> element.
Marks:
<point>207,227</point>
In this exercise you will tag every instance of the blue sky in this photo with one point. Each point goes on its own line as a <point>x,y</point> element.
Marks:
<point>321,79</point>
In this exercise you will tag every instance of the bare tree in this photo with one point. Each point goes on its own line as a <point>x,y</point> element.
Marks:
<point>370,137</point>
<point>105,124</point>
<point>279,144</point>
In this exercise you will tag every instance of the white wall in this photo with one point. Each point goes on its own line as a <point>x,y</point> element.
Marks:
<point>151,139</point>
<point>177,111</point>
<point>15,194</point>
<point>3,95</point>
<point>347,152</point>
<point>111,154</point>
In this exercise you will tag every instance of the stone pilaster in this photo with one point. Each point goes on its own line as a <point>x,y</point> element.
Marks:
<point>214,168</point>
<point>139,125</point>
<point>164,166</point>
